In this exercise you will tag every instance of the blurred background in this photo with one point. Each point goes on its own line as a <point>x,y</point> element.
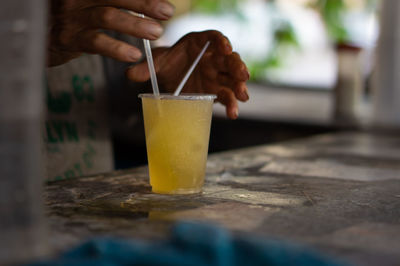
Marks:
<point>317,66</point>
<point>284,42</point>
<point>311,65</point>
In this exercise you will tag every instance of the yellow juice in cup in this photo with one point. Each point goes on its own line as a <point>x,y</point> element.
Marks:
<point>177,134</point>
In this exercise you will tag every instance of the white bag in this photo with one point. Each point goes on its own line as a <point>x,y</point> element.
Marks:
<point>76,130</point>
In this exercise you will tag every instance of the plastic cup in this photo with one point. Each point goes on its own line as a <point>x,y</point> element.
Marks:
<point>177,132</point>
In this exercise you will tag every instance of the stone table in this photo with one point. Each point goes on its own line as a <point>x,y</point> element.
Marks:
<point>339,193</point>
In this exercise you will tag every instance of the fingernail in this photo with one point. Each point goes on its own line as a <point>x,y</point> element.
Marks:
<point>154,30</point>
<point>166,9</point>
<point>134,55</point>
<point>245,72</point>
<point>236,112</point>
<point>245,96</point>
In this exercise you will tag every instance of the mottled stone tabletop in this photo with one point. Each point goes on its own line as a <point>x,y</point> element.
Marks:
<point>338,193</point>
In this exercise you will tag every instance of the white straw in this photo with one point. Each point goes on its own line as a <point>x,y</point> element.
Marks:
<point>150,62</point>
<point>189,72</point>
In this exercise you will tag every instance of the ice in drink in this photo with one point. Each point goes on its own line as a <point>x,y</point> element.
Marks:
<point>177,135</point>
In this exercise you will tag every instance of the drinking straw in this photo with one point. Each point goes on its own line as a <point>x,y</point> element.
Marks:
<point>150,62</point>
<point>189,72</point>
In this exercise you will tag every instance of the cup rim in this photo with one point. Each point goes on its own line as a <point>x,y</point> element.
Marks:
<point>182,96</point>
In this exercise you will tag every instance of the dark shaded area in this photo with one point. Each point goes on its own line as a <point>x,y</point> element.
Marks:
<point>233,134</point>
<point>225,135</point>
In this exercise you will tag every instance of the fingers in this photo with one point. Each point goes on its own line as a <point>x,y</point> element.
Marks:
<point>74,26</point>
<point>225,79</point>
<point>219,42</point>
<point>111,18</point>
<point>236,67</point>
<point>228,71</point>
<point>241,91</point>
<point>231,64</point>
<point>99,43</point>
<point>138,73</point>
<point>239,88</point>
<point>227,98</point>
<point>157,9</point>
<point>222,58</point>
<point>208,70</point>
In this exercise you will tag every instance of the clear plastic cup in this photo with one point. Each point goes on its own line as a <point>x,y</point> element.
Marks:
<point>177,135</point>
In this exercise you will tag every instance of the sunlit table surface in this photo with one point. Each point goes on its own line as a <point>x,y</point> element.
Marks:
<point>338,193</point>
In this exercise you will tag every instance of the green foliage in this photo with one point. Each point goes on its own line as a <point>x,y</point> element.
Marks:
<point>216,6</point>
<point>332,12</point>
<point>207,6</point>
<point>258,68</point>
<point>284,39</point>
<point>284,34</point>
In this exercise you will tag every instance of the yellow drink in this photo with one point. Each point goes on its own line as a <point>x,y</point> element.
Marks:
<point>177,134</point>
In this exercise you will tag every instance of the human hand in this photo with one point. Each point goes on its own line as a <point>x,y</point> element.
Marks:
<point>219,72</point>
<point>75,27</point>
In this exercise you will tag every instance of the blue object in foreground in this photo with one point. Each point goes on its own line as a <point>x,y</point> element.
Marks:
<point>192,244</point>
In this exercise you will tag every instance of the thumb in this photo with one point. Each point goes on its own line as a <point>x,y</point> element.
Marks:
<point>139,72</point>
